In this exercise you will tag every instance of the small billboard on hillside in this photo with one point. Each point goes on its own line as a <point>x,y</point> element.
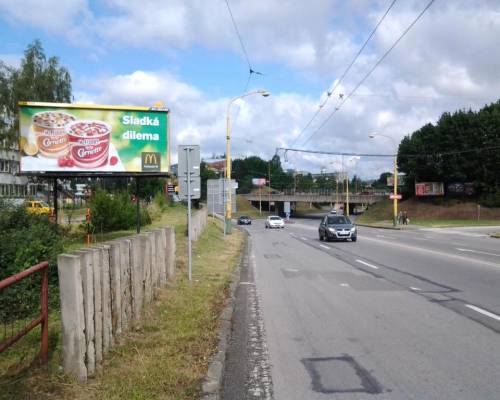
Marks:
<point>258,181</point>
<point>429,189</point>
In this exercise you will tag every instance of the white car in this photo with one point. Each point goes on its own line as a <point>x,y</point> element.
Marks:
<point>273,221</point>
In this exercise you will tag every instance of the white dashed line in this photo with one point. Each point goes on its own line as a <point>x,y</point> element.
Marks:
<point>344,284</point>
<point>325,247</point>
<point>478,252</point>
<point>484,312</point>
<point>247,283</point>
<point>382,236</point>
<point>292,270</point>
<point>303,238</point>
<point>415,288</point>
<point>368,265</point>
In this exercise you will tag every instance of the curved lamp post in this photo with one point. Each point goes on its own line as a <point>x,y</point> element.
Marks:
<point>395,200</point>
<point>227,219</point>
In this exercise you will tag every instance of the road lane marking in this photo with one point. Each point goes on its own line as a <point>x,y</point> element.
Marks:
<point>344,284</point>
<point>325,247</point>
<point>303,238</point>
<point>291,270</point>
<point>434,252</point>
<point>382,236</point>
<point>484,312</point>
<point>478,252</point>
<point>415,288</point>
<point>368,265</point>
<point>247,283</point>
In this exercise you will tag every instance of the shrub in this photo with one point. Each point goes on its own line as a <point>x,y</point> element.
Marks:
<point>25,241</point>
<point>115,212</point>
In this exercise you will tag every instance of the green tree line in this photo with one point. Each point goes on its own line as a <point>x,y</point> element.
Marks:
<point>461,147</point>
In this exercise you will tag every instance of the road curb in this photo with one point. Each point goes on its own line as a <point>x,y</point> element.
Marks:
<point>212,383</point>
<point>379,226</point>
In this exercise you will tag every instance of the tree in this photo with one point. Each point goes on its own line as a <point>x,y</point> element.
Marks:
<point>205,174</point>
<point>461,147</point>
<point>37,79</point>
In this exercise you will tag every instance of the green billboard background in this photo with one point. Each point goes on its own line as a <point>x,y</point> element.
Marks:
<point>135,135</point>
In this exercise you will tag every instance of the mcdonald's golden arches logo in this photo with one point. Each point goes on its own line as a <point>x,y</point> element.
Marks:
<point>151,161</point>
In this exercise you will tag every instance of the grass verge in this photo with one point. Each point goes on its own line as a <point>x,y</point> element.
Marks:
<point>168,356</point>
<point>495,235</point>
<point>245,207</point>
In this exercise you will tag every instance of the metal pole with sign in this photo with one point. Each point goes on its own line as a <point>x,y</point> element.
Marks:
<point>189,185</point>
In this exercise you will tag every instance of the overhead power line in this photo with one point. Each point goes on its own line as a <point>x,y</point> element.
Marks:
<point>346,71</point>
<point>400,155</point>
<point>380,60</point>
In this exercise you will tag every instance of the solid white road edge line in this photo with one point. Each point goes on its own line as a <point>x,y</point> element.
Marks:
<point>484,312</point>
<point>478,252</point>
<point>325,247</point>
<point>368,265</point>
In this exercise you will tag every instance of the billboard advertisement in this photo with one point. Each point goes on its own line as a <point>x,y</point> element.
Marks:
<point>259,181</point>
<point>461,189</point>
<point>401,180</point>
<point>71,138</point>
<point>429,189</point>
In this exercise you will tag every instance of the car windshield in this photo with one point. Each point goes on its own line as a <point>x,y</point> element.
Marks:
<point>274,218</point>
<point>338,220</point>
<point>243,217</point>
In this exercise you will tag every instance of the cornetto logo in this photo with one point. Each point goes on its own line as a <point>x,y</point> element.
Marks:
<point>151,162</point>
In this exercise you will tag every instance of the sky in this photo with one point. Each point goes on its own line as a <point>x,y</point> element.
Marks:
<point>187,54</point>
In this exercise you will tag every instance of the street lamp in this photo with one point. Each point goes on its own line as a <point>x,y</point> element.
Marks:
<point>227,219</point>
<point>395,200</point>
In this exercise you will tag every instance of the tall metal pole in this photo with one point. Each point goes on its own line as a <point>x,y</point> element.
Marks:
<point>269,194</point>
<point>137,206</point>
<point>55,194</point>
<point>395,216</point>
<point>228,173</point>
<point>189,211</point>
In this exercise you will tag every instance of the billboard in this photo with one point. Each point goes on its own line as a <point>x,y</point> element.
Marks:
<point>429,189</point>
<point>72,138</point>
<point>258,181</point>
<point>461,189</point>
<point>401,180</point>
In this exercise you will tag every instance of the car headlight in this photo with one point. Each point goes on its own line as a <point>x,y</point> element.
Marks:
<point>353,230</point>
<point>331,230</point>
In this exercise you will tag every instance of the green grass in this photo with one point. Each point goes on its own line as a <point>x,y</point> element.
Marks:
<point>244,207</point>
<point>168,356</point>
<point>495,235</point>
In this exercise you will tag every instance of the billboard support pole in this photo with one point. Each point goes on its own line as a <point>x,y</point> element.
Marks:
<point>55,199</point>
<point>137,206</point>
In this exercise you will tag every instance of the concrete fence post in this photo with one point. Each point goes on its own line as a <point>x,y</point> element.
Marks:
<point>170,251</point>
<point>72,315</point>
<point>87,273</point>
<point>116,289</point>
<point>107,337</point>
<point>136,279</point>
<point>96,270</point>
<point>125,283</point>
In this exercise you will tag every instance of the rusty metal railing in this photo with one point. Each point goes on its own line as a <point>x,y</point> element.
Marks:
<point>42,319</point>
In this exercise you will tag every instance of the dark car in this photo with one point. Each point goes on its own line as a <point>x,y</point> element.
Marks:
<point>337,227</point>
<point>244,220</point>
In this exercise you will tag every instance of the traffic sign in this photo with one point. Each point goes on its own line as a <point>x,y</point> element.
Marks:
<point>170,188</point>
<point>395,196</point>
<point>189,155</point>
<point>194,188</point>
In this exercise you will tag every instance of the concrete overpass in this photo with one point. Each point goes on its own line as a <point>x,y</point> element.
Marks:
<point>337,200</point>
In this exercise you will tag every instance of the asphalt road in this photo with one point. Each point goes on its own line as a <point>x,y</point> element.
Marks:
<point>397,315</point>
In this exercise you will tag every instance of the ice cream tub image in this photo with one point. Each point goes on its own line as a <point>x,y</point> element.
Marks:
<point>50,132</point>
<point>89,143</point>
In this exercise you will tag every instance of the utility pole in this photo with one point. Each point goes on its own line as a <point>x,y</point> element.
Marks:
<point>269,194</point>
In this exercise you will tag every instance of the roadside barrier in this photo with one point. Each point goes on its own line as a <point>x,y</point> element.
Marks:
<point>103,291</point>
<point>42,319</point>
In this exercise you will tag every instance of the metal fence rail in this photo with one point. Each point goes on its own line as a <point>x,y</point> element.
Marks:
<point>41,319</point>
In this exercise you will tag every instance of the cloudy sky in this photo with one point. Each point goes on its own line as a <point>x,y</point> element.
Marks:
<point>186,53</point>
